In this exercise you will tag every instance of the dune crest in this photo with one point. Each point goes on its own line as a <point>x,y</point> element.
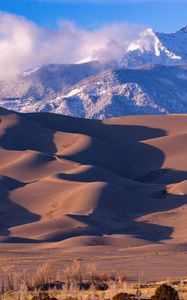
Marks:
<point>118,183</point>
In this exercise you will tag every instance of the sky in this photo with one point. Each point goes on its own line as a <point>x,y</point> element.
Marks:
<point>38,32</point>
<point>162,15</point>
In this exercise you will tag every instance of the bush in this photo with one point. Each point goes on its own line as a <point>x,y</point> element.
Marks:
<point>123,296</point>
<point>165,292</point>
<point>50,286</point>
<point>43,296</point>
<point>46,273</point>
<point>102,286</point>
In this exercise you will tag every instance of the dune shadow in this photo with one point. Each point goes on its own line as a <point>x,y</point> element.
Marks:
<point>24,134</point>
<point>111,133</point>
<point>164,175</point>
<point>91,174</point>
<point>109,143</point>
<point>12,214</point>
<point>129,161</point>
<point>116,148</point>
<point>123,213</point>
<point>16,240</point>
<point>141,230</point>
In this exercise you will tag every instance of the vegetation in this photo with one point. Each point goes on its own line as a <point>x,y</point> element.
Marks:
<point>123,296</point>
<point>78,282</point>
<point>43,296</point>
<point>165,292</point>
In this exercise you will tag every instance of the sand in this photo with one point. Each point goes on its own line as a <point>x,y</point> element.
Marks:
<point>112,192</point>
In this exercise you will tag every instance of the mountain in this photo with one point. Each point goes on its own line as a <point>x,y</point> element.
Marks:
<point>149,78</point>
<point>150,89</point>
<point>45,82</point>
<point>156,48</point>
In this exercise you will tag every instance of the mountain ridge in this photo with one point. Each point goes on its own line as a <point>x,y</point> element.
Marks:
<point>149,89</point>
<point>56,88</point>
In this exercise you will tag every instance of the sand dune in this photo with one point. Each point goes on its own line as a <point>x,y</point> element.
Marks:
<point>118,184</point>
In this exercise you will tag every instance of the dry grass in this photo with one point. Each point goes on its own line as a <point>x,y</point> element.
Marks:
<point>74,279</point>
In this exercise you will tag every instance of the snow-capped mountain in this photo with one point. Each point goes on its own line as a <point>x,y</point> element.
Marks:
<point>150,77</point>
<point>46,81</point>
<point>151,89</point>
<point>156,48</point>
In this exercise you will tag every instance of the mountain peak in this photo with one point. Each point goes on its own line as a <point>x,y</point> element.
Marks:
<point>183,29</point>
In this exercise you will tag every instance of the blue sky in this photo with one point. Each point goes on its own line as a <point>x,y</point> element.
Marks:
<point>165,16</point>
<point>71,31</point>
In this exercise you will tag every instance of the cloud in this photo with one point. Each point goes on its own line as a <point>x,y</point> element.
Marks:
<point>25,45</point>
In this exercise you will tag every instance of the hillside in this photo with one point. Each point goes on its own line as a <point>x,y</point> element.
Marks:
<point>149,78</point>
<point>150,89</point>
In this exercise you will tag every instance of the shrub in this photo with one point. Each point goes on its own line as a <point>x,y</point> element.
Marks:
<point>74,274</point>
<point>70,298</point>
<point>123,296</point>
<point>165,292</point>
<point>46,273</point>
<point>50,286</point>
<point>102,286</point>
<point>43,296</point>
<point>84,286</point>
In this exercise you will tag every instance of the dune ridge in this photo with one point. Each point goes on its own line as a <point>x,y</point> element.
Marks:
<point>74,183</point>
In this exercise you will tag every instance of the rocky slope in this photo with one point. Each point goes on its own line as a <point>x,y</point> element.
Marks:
<point>150,78</point>
<point>150,89</point>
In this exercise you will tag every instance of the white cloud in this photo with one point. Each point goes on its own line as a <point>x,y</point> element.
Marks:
<point>24,44</point>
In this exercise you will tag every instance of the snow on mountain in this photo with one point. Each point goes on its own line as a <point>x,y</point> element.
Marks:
<point>46,81</point>
<point>151,89</point>
<point>156,48</point>
<point>151,77</point>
